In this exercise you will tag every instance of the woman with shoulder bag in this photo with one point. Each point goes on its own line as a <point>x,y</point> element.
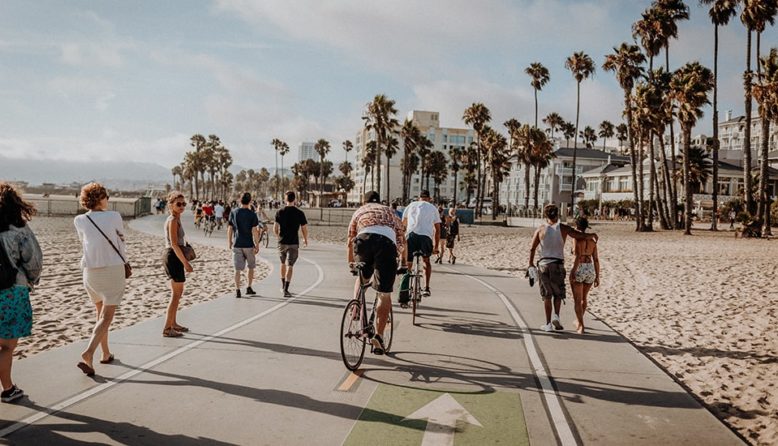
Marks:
<point>21,264</point>
<point>104,263</point>
<point>175,260</point>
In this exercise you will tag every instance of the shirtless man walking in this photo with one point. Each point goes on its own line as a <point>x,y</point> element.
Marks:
<point>551,237</point>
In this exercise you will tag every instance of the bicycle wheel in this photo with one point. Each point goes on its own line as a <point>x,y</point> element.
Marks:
<point>352,343</point>
<point>415,295</point>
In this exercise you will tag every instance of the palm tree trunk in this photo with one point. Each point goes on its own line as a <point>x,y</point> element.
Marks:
<point>495,198</point>
<point>537,185</point>
<point>378,161</point>
<point>669,207</point>
<point>674,185</point>
<point>764,178</point>
<point>642,183</point>
<point>747,131</point>
<point>687,141</point>
<point>714,221</point>
<point>456,171</point>
<point>660,208</point>
<point>526,186</point>
<point>575,146</point>
<point>536,108</point>
<point>651,180</point>
<point>388,175</point>
<point>632,155</point>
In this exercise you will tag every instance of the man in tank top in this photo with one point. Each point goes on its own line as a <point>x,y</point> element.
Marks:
<point>551,237</point>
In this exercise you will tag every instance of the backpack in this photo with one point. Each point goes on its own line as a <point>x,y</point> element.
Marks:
<point>7,270</point>
<point>405,289</point>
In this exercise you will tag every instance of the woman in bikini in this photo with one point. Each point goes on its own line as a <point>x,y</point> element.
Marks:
<point>585,272</point>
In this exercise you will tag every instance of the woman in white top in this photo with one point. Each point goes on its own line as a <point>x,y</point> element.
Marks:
<point>103,267</point>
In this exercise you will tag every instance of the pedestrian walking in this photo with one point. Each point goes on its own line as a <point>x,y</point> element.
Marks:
<point>243,241</point>
<point>175,262</point>
<point>551,237</point>
<point>101,233</point>
<point>584,274</point>
<point>289,222</point>
<point>21,262</point>
<point>452,234</point>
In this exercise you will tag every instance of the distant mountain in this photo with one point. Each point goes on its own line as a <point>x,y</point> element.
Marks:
<point>113,174</point>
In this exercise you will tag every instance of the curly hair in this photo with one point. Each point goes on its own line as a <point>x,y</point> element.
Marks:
<point>172,197</point>
<point>92,194</point>
<point>582,223</point>
<point>13,209</point>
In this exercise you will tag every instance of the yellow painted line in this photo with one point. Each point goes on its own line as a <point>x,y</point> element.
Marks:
<point>350,380</point>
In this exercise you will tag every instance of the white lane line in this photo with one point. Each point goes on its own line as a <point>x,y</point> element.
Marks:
<point>558,418</point>
<point>155,362</point>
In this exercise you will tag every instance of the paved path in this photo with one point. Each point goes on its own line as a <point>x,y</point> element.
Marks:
<point>267,370</point>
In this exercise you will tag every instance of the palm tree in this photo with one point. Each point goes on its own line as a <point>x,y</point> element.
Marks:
<point>278,146</point>
<point>607,130</point>
<point>589,136</point>
<point>568,129</point>
<point>540,157</point>
<point>581,66</point>
<point>766,95</point>
<point>410,162</point>
<point>348,146</point>
<point>513,126</point>
<point>322,147</point>
<point>621,135</point>
<point>436,167</point>
<point>720,13</point>
<point>455,153</point>
<point>626,62</point>
<point>756,13</point>
<point>424,148</point>
<point>176,171</point>
<point>553,121</point>
<point>540,78</point>
<point>380,116</point>
<point>477,116</point>
<point>689,88</point>
<point>392,146</point>
<point>699,169</point>
<point>497,159</point>
<point>368,161</point>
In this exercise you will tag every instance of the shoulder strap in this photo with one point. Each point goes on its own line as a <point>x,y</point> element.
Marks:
<point>106,237</point>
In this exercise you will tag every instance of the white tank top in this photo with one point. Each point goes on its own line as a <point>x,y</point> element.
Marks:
<point>552,246</point>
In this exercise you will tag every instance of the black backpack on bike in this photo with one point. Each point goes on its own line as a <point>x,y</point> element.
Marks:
<point>8,270</point>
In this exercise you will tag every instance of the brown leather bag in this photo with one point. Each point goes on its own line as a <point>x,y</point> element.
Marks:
<point>189,252</point>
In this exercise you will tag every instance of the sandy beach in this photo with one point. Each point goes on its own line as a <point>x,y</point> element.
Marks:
<point>704,307</point>
<point>63,313</point>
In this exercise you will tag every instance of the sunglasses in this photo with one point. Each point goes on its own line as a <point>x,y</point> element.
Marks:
<point>180,204</point>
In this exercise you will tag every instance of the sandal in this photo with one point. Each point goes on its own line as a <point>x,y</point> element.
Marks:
<point>110,359</point>
<point>181,328</point>
<point>171,332</point>
<point>88,371</point>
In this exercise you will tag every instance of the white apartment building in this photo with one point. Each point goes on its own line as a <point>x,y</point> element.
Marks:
<point>306,151</point>
<point>556,181</point>
<point>732,136</point>
<point>443,138</point>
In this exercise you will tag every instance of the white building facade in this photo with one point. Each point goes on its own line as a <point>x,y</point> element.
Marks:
<point>443,140</point>
<point>306,151</point>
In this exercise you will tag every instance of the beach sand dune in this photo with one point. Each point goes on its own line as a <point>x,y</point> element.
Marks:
<point>704,307</point>
<point>62,311</point>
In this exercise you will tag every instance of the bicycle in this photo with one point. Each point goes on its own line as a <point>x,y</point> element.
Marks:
<point>264,236</point>
<point>414,285</point>
<point>356,328</point>
<point>209,226</point>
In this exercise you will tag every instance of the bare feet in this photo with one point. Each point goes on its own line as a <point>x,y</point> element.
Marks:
<point>580,329</point>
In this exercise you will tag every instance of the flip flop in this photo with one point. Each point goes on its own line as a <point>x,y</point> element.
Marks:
<point>88,371</point>
<point>110,359</point>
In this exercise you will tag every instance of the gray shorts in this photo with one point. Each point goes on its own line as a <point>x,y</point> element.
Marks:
<point>551,279</point>
<point>288,254</point>
<point>243,256</point>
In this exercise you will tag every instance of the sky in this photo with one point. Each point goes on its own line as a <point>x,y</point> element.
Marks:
<point>118,80</point>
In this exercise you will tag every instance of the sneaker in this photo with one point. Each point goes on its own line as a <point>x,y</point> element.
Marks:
<point>378,345</point>
<point>250,291</point>
<point>12,394</point>
<point>426,292</point>
<point>547,327</point>
<point>237,294</point>
<point>555,322</point>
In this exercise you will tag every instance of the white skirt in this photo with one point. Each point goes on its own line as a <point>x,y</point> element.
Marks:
<point>106,284</point>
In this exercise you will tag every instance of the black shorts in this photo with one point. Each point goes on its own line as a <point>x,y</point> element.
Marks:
<point>174,269</point>
<point>450,240</point>
<point>418,242</point>
<point>379,254</point>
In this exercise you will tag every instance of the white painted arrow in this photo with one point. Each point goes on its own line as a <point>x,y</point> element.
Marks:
<point>442,415</point>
